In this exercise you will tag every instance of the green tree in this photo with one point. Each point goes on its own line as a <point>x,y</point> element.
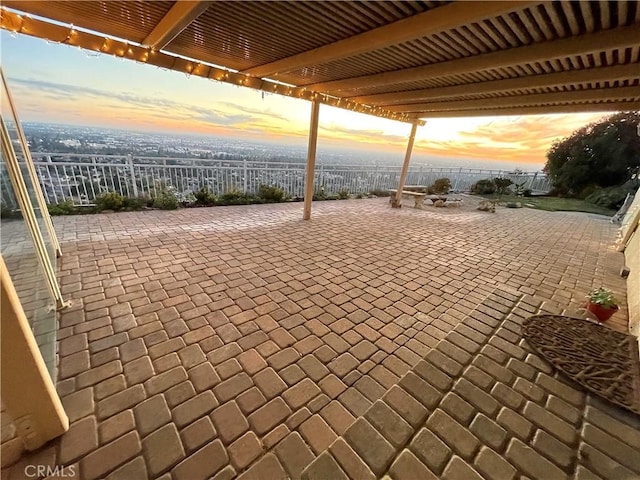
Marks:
<point>604,153</point>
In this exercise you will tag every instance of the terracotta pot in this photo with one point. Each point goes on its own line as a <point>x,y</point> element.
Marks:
<point>601,312</point>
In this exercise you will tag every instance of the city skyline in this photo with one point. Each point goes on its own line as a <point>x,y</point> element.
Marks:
<point>60,84</point>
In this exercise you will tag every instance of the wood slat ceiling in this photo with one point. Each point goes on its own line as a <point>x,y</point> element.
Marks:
<point>122,19</point>
<point>423,58</point>
<point>246,34</point>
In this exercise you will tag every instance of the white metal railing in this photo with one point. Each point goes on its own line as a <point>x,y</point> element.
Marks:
<point>80,178</point>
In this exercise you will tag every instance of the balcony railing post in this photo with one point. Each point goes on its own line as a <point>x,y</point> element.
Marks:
<point>132,172</point>
<point>244,175</point>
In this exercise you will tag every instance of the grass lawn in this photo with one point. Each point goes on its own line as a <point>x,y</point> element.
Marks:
<point>556,204</point>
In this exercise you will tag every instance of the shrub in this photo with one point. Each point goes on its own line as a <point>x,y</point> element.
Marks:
<point>586,191</point>
<point>519,188</point>
<point>611,197</point>
<point>483,187</point>
<point>8,213</point>
<point>502,185</point>
<point>319,193</point>
<point>379,192</point>
<point>109,201</point>
<point>271,194</point>
<point>135,203</point>
<point>359,196</point>
<point>165,198</point>
<point>62,208</point>
<point>527,192</point>
<point>440,186</point>
<point>343,194</point>
<point>204,197</point>
<point>165,201</point>
<point>234,197</point>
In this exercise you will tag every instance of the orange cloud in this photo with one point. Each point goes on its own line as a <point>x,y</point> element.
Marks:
<point>524,139</point>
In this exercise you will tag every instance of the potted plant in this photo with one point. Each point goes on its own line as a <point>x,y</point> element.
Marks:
<point>602,303</point>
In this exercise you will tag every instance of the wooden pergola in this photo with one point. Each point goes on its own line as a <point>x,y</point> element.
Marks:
<point>403,60</point>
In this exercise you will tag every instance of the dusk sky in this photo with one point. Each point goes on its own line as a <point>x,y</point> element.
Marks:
<point>61,84</point>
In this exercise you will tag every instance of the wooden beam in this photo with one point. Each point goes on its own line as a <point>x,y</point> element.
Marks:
<point>68,35</point>
<point>418,26</point>
<point>621,37</point>
<point>181,14</point>
<point>397,201</point>
<point>545,110</point>
<point>309,185</point>
<point>601,94</point>
<point>603,74</point>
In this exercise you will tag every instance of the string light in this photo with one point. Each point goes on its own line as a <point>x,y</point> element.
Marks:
<point>120,49</point>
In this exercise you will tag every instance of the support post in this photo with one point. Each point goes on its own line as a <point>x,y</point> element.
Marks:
<point>27,390</point>
<point>396,202</point>
<point>311,159</point>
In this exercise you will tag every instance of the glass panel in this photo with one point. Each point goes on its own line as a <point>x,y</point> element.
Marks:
<point>23,264</point>
<point>30,182</point>
<point>10,123</point>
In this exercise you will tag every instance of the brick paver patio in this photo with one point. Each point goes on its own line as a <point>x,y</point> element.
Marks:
<point>242,341</point>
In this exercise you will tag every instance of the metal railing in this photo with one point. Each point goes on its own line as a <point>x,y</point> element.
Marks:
<point>80,178</point>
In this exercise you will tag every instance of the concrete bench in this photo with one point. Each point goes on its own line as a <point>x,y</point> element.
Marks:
<point>418,198</point>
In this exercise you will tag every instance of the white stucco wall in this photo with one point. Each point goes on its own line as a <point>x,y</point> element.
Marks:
<point>632,260</point>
